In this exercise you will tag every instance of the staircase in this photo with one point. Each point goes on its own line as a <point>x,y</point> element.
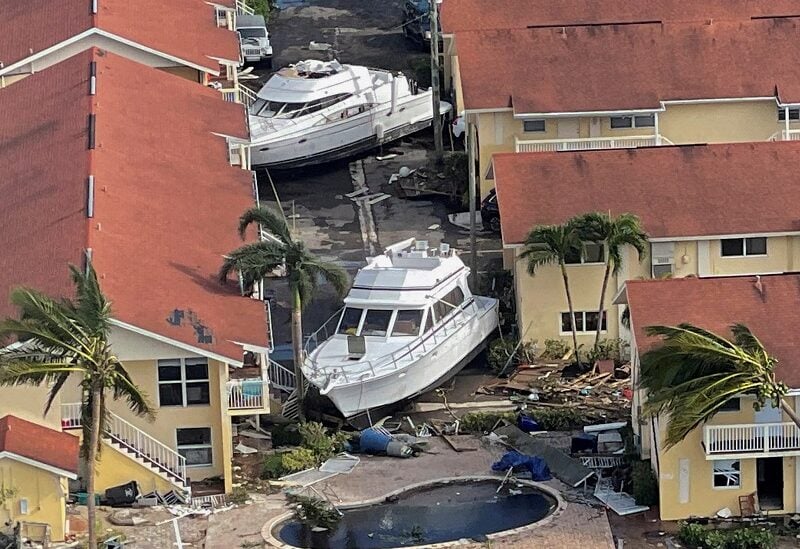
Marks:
<point>290,409</point>
<point>136,444</point>
<point>285,380</point>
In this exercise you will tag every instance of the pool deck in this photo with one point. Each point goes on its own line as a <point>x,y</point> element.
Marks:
<point>578,525</point>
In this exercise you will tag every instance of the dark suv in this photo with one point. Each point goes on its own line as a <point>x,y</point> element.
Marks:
<point>490,212</point>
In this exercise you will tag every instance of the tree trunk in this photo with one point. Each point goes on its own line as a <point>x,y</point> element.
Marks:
<point>297,347</point>
<point>606,276</point>
<point>94,440</point>
<point>790,412</point>
<point>571,311</point>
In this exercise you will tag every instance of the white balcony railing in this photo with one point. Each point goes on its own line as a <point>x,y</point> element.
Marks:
<point>590,143</point>
<point>71,416</point>
<point>246,394</point>
<point>763,438</point>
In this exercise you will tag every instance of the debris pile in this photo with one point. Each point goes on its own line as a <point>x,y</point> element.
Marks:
<point>596,396</point>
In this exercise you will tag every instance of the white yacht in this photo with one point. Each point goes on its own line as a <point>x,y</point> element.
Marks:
<point>317,111</point>
<point>409,323</point>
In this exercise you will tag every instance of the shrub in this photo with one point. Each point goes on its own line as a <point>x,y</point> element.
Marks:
<point>696,536</point>
<point>314,512</point>
<point>299,459</point>
<point>645,484</point>
<point>272,467</point>
<point>501,349</point>
<point>481,422</point>
<point>315,437</point>
<point>607,349</point>
<point>555,349</point>
<point>239,495</point>
<point>557,419</point>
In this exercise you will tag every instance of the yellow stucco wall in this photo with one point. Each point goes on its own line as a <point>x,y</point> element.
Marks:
<point>45,492</point>
<point>185,72</point>
<point>704,499</point>
<point>27,403</point>
<point>541,298</point>
<point>170,418</point>
<point>720,122</point>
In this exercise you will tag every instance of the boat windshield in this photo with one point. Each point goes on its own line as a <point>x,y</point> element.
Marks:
<point>376,322</point>
<point>407,323</point>
<point>351,318</point>
<point>278,109</point>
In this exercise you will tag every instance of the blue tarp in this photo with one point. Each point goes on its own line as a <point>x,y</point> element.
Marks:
<point>520,462</point>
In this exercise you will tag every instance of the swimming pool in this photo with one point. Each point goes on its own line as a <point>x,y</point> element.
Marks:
<point>433,513</point>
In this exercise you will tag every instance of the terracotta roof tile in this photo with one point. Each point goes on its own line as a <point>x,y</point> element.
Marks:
<point>717,303</point>
<point>166,200</point>
<point>460,15</point>
<point>626,67</point>
<point>681,191</point>
<point>39,443</point>
<point>183,29</point>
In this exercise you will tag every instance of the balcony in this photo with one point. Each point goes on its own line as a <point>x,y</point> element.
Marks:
<point>590,143</point>
<point>247,394</point>
<point>751,440</point>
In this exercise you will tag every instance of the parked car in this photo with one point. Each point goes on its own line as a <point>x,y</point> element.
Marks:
<point>254,39</point>
<point>490,212</point>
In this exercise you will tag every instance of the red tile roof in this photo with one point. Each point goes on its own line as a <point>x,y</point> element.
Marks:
<point>626,67</point>
<point>460,15</point>
<point>182,29</point>
<point>166,200</point>
<point>39,443</point>
<point>681,191</point>
<point>717,303</point>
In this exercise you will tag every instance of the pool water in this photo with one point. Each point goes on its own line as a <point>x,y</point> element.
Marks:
<point>434,514</point>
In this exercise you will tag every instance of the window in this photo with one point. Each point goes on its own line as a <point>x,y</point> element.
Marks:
<point>736,247</point>
<point>183,382</point>
<point>451,301</point>
<point>592,253</point>
<point>407,323</point>
<point>662,271</point>
<point>351,318</point>
<point>254,32</point>
<point>376,322</point>
<point>534,126</point>
<point>194,444</point>
<point>731,405</point>
<point>585,321</point>
<point>794,114</point>
<point>727,473</point>
<point>638,121</point>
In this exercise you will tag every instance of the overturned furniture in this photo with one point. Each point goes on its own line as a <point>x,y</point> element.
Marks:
<point>317,480</point>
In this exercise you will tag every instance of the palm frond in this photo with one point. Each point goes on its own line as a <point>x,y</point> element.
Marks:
<point>330,273</point>
<point>124,388</point>
<point>254,261</point>
<point>550,244</point>
<point>271,221</point>
<point>91,307</point>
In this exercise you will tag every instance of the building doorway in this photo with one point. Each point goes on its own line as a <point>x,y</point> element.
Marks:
<point>769,482</point>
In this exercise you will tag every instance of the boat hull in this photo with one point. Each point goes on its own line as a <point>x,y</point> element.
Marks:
<point>429,371</point>
<point>343,139</point>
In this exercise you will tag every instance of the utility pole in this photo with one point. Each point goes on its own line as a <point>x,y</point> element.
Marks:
<point>436,92</point>
<point>473,248</point>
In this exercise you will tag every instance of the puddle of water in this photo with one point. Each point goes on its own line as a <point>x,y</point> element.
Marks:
<point>428,515</point>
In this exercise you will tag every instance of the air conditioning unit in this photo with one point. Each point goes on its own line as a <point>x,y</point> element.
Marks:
<point>663,260</point>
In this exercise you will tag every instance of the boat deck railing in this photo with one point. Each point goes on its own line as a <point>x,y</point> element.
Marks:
<point>420,346</point>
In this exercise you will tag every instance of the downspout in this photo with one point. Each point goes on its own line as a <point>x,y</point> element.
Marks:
<point>786,123</point>
<point>658,130</point>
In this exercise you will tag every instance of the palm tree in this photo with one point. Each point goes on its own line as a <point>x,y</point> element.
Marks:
<point>694,372</point>
<point>614,233</point>
<point>553,244</point>
<point>59,338</point>
<point>255,261</point>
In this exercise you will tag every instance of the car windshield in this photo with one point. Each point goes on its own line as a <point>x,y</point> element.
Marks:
<point>253,33</point>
